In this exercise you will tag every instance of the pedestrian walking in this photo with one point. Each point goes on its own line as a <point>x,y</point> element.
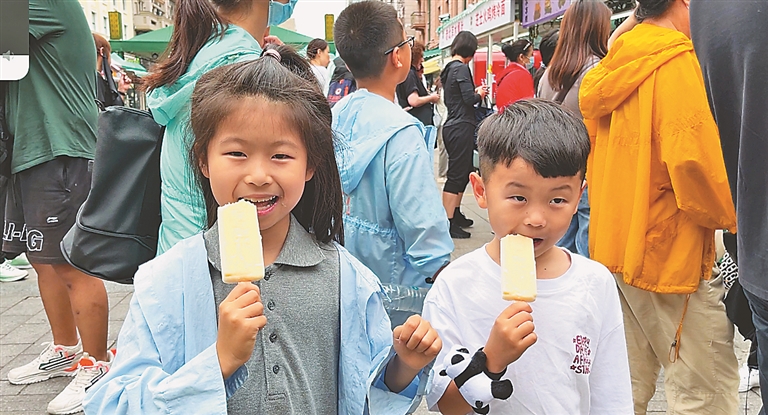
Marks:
<point>52,115</point>
<point>658,190</point>
<point>515,82</point>
<point>208,34</point>
<point>460,96</point>
<point>313,336</point>
<point>583,42</point>
<point>738,93</point>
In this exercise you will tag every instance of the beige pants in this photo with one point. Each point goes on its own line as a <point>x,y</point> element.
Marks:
<point>704,379</point>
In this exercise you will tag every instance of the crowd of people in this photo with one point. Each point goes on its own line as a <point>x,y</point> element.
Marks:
<point>622,159</point>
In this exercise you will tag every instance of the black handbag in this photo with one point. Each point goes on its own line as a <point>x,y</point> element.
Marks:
<point>107,94</point>
<point>116,229</point>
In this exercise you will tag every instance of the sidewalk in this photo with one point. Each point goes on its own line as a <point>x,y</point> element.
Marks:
<point>24,326</point>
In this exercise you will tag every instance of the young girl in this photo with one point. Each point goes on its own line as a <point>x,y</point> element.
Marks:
<point>313,336</point>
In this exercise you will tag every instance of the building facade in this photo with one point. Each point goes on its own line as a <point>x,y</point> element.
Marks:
<point>149,15</point>
<point>97,14</point>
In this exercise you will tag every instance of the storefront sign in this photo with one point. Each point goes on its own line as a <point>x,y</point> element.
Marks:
<point>540,11</point>
<point>485,17</point>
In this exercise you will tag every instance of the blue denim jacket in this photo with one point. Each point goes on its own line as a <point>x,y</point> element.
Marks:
<point>167,363</point>
<point>394,221</point>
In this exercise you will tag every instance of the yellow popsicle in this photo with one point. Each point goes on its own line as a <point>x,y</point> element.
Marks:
<point>518,268</point>
<point>242,258</point>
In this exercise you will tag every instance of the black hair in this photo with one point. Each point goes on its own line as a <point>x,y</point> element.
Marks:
<point>648,9</point>
<point>363,32</point>
<point>194,23</point>
<point>288,81</point>
<point>519,47</point>
<point>542,133</point>
<point>464,44</point>
<point>548,45</point>
<point>315,46</point>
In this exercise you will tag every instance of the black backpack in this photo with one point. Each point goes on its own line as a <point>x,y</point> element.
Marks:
<point>117,227</point>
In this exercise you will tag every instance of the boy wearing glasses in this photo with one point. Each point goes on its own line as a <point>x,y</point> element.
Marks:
<point>394,221</point>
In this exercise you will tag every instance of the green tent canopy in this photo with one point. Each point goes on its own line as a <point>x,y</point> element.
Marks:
<point>156,41</point>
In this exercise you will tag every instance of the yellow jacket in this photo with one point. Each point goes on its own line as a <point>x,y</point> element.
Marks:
<point>657,182</point>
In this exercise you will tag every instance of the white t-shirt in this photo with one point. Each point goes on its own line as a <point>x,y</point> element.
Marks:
<point>321,74</point>
<point>579,363</point>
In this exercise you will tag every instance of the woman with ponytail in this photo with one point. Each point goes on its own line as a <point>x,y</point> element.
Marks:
<point>207,34</point>
<point>319,55</point>
<point>191,344</point>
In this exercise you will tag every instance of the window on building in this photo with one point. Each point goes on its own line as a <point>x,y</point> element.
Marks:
<point>123,5</point>
<point>125,31</point>
<point>114,3</point>
<point>93,21</point>
<point>106,25</point>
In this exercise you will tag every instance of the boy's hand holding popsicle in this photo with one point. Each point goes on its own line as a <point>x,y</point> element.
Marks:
<point>241,314</point>
<point>512,332</point>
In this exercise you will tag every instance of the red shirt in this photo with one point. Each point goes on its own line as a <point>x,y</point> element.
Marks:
<point>515,83</point>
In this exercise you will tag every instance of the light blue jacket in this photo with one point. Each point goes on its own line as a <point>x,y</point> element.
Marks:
<point>394,221</point>
<point>166,361</point>
<point>182,206</point>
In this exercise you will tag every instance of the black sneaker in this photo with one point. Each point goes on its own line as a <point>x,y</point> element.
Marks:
<point>462,220</point>
<point>457,232</point>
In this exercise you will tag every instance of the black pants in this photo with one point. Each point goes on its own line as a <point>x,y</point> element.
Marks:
<point>459,140</point>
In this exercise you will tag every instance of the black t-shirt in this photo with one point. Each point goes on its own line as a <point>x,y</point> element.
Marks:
<point>459,93</point>
<point>413,84</point>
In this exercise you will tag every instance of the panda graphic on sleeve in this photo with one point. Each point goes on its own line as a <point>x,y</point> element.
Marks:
<point>475,383</point>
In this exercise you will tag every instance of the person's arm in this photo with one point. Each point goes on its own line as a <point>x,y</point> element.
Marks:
<point>44,20</point>
<point>690,146</point>
<point>624,27</point>
<point>469,93</point>
<point>416,344</point>
<point>138,383</point>
<point>417,211</point>
<point>414,100</point>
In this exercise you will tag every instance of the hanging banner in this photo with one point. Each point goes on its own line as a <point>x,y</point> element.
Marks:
<point>485,17</point>
<point>541,11</point>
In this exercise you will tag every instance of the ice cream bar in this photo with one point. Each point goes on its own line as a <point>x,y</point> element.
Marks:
<point>242,258</point>
<point>518,268</point>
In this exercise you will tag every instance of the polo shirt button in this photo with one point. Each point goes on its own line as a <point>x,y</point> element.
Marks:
<point>266,277</point>
<point>273,337</point>
<point>275,369</point>
<point>271,305</point>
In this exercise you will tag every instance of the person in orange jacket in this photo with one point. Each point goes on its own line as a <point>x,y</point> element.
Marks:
<point>658,191</point>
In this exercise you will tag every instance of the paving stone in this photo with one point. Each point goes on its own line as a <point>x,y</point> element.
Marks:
<point>26,333</point>
<point>48,387</point>
<point>9,351</point>
<point>39,318</point>
<point>6,389</point>
<point>27,307</point>
<point>19,403</point>
<point>17,361</point>
<point>8,323</point>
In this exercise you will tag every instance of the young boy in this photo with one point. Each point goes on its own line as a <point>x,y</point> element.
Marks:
<point>394,222</point>
<point>532,163</point>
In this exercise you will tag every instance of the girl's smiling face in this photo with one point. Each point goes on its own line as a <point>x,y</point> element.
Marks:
<point>256,155</point>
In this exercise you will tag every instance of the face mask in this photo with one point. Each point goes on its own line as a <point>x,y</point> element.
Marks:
<point>529,65</point>
<point>279,12</point>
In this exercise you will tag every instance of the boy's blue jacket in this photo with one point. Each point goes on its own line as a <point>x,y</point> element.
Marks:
<point>166,361</point>
<point>182,206</point>
<point>394,221</point>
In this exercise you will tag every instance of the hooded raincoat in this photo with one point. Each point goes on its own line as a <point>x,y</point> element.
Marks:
<point>168,364</point>
<point>394,222</point>
<point>182,206</point>
<point>657,182</point>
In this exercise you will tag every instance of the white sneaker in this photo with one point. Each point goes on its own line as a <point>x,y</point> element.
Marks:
<point>748,378</point>
<point>53,361</point>
<point>89,371</point>
<point>9,273</point>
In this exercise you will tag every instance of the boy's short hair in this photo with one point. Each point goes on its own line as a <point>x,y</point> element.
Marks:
<point>542,133</point>
<point>363,32</point>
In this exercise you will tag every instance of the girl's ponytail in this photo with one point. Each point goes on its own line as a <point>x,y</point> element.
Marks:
<point>196,21</point>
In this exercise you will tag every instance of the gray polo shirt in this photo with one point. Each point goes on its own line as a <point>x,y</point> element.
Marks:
<point>294,365</point>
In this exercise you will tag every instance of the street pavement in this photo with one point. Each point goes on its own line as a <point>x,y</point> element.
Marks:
<point>24,327</point>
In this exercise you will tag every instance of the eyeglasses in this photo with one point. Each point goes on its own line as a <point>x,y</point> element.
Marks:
<point>409,40</point>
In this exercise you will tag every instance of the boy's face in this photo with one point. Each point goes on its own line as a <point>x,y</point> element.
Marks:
<point>520,201</point>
